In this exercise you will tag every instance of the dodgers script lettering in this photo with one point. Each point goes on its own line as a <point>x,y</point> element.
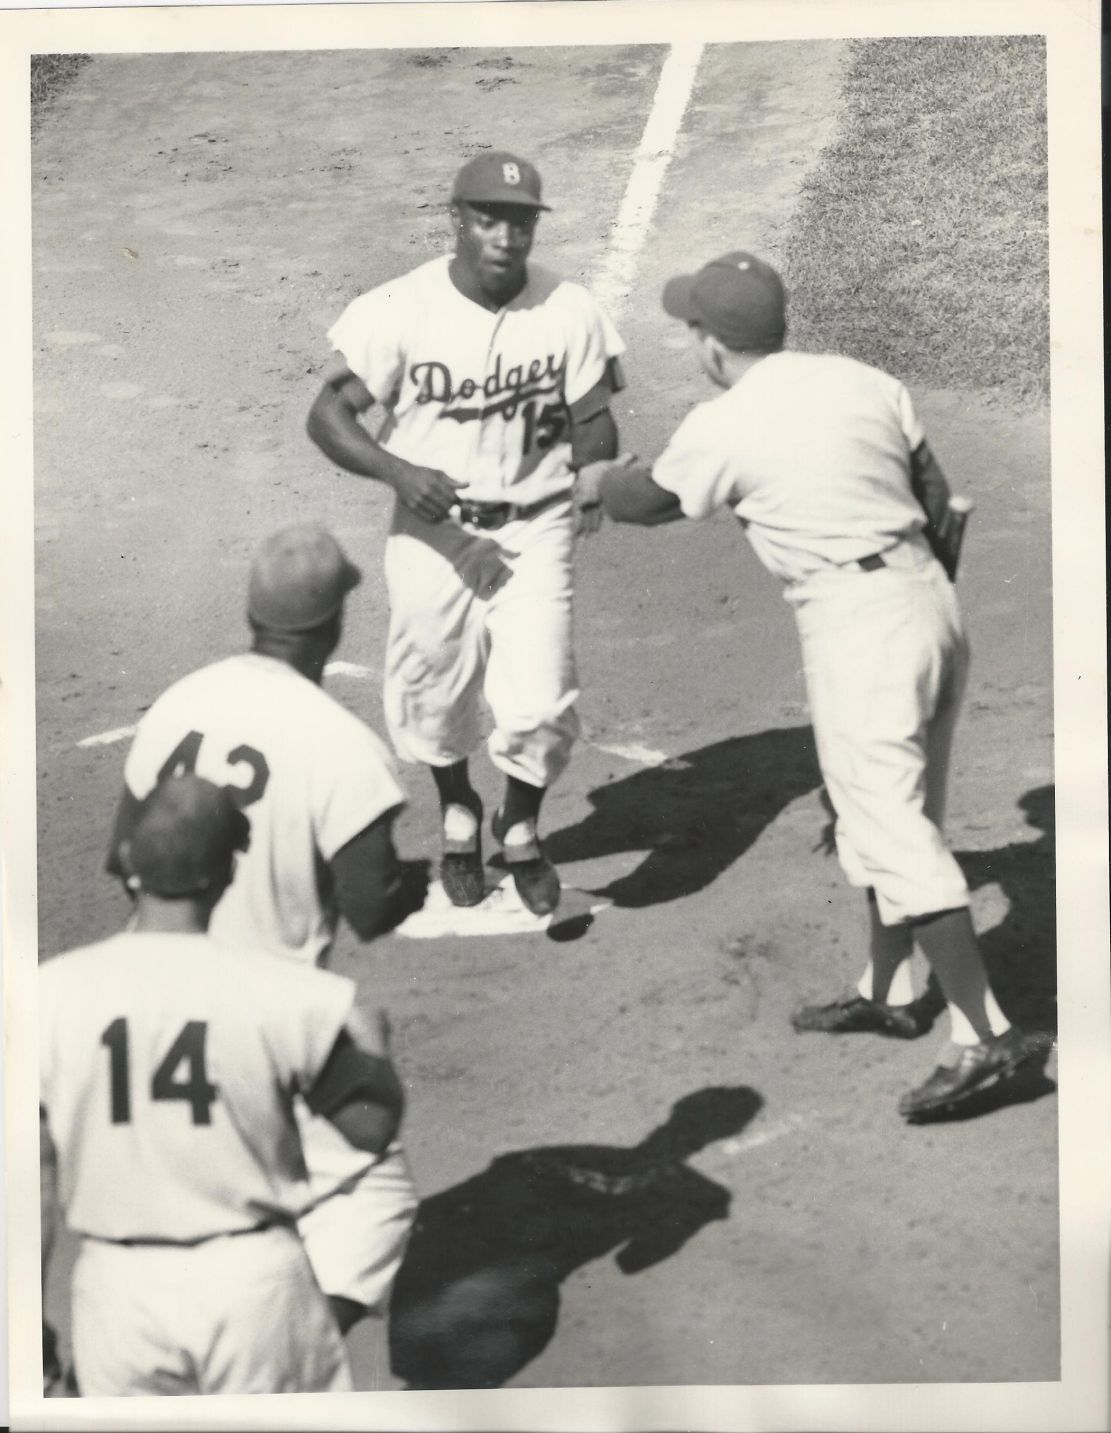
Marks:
<point>503,393</point>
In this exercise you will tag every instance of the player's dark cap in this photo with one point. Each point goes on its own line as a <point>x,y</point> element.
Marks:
<point>738,298</point>
<point>498,178</point>
<point>185,835</point>
<point>299,579</point>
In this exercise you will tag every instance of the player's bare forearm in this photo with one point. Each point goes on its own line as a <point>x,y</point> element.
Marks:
<point>358,1090</point>
<point>368,1127</point>
<point>593,438</point>
<point>629,495</point>
<point>374,890</point>
<point>333,425</point>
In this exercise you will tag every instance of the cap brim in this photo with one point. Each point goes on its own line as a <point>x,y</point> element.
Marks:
<point>510,196</point>
<point>677,297</point>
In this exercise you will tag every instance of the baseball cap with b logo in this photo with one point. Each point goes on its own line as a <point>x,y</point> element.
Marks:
<point>498,178</point>
<point>299,579</point>
<point>738,298</point>
<point>185,835</point>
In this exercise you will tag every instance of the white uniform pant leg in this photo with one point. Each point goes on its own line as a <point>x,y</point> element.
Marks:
<point>242,1314</point>
<point>440,579</point>
<point>357,1228</point>
<point>531,683</point>
<point>885,661</point>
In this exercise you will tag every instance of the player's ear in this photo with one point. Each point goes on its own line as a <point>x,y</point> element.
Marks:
<point>131,881</point>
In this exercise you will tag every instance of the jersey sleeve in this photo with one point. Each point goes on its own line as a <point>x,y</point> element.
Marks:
<point>694,468</point>
<point>47,993</point>
<point>307,1010</point>
<point>353,787</point>
<point>149,748</point>
<point>593,346</point>
<point>913,431</point>
<point>369,334</point>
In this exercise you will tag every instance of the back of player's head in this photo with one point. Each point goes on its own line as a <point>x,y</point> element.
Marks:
<point>700,1118</point>
<point>738,298</point>
<point>299,579</point>
<point>184,839</point>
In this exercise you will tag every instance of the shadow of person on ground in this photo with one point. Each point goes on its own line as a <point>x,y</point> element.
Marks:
<point>695,814</point>
<point>1021,951</point>
<point>477,1296</point>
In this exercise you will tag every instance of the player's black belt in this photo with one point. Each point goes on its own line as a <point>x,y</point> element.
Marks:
<point>154,1243</point>
<point>489,516</point>
<point>872,563</point>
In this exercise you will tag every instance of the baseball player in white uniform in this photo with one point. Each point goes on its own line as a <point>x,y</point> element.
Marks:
<point>320,792</point>
<point>826,465</point>
<point>169,1065</point>
<point>496,378</point>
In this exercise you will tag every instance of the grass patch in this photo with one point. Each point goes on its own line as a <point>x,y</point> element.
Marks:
<point>920,243</point>
<point>50,75</point>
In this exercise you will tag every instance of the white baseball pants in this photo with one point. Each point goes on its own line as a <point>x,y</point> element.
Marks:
<point>482,614</point>
<point>886,663</point>
<point>238,1314</point>
<point>356,1229</point>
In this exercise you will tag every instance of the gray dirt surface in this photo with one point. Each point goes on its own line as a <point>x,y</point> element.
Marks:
<point>198,222</point>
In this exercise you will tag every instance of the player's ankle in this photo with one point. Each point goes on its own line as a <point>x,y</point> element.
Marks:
<point>460,822</point>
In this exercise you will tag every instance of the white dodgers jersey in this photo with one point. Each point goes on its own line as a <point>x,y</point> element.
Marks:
<point>482,396</point>
<point>168,1068</point>
<point>307,773</point>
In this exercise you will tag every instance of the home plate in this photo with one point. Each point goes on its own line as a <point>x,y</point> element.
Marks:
<point>499,913</point>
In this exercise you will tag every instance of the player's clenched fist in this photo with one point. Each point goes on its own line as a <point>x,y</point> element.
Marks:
<point>426,491</point>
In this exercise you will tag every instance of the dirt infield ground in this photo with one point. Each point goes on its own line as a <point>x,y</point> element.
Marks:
<point>198,222</point>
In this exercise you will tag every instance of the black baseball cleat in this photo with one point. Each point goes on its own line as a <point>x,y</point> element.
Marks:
<point>856,1015</point>
<point>462,873</point>
<point>536,879</point>
<point>978,1068</point>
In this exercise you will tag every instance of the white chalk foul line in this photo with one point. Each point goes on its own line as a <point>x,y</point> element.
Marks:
<point>351,669</point>
<point>650,162</point>
<point>642,755</point>
<point>107,738</point>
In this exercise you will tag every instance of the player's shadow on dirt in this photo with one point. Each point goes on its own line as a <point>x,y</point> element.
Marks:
<point>695,815</point>
<point>477,1296</point>
<point>1021,951</point>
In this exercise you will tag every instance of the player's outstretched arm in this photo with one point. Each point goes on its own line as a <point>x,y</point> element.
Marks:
<point>628,494</point>
<point>333,425</point>
<point>374,890</point>
<point>593,439</point>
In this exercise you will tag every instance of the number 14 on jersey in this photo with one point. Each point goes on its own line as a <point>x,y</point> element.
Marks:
<point>188,1051</point>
